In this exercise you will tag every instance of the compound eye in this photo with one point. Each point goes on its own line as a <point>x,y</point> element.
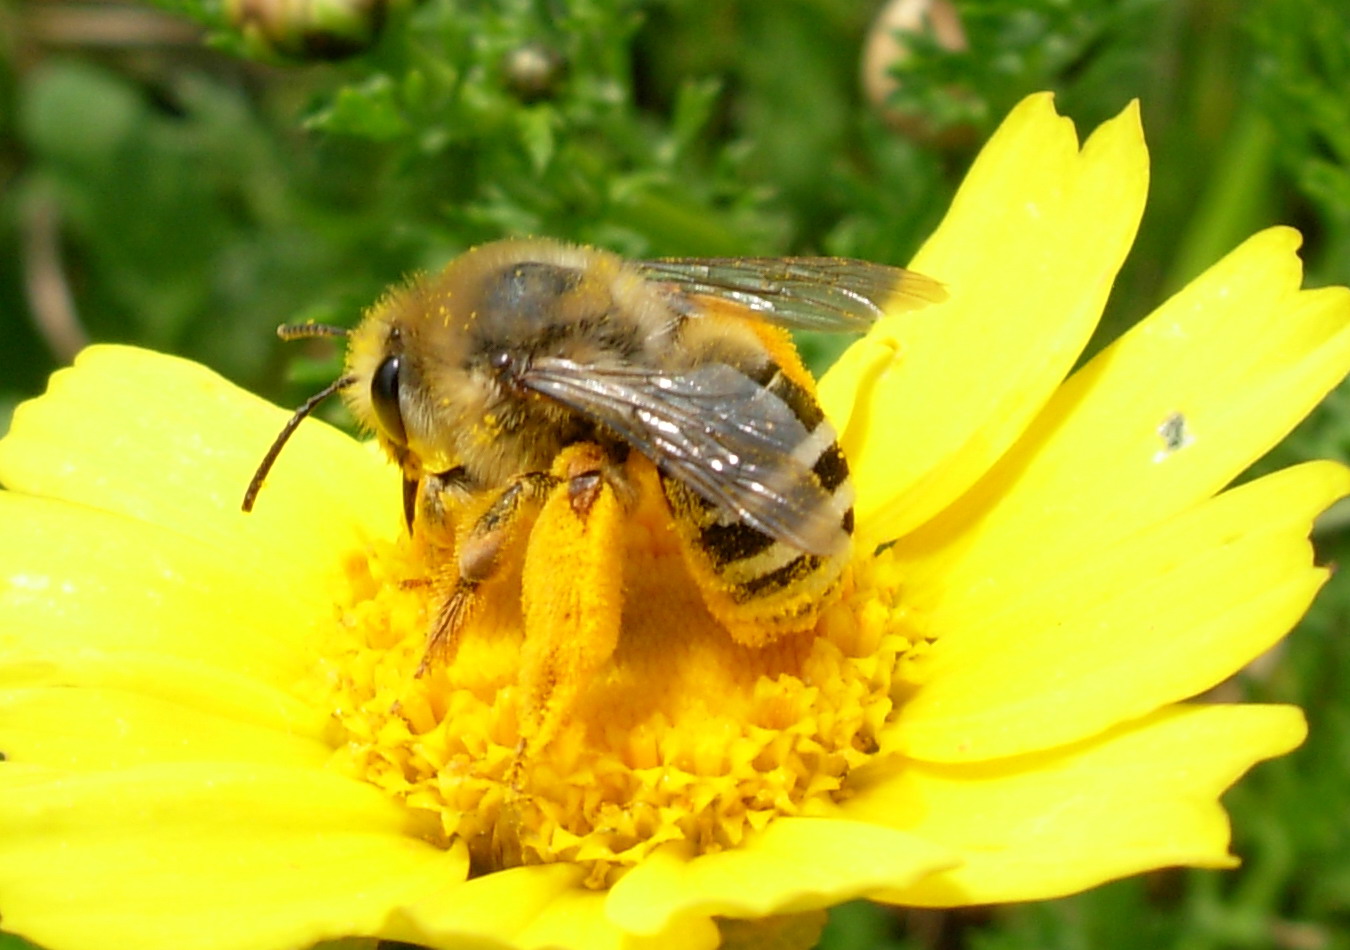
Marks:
<point>384,398</point>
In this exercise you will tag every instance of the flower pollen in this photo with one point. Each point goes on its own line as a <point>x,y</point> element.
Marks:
<point>683,734</point>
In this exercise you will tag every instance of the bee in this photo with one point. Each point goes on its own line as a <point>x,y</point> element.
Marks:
<point>476,380</point>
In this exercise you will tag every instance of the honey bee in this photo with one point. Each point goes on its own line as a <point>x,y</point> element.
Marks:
<point>475,380</point>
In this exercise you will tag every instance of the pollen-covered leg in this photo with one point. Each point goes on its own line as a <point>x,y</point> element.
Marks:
<point>573,592</point>
<point>480,556</point>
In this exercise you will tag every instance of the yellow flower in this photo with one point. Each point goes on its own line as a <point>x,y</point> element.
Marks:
<point>214,736</point>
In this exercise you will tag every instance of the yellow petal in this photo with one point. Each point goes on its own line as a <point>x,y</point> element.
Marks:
<point>76,582</point>
<point>1143,796</point>
<point>1150,620</point>
<point>931,398</point>
<point>1159,421</point>
<point>187,683</point>
<point>83,729</point>
<point>198,856</point>
<point>793,865</point>
<point>579,921</point>
<point>530,908</point>
<point>167,441</point>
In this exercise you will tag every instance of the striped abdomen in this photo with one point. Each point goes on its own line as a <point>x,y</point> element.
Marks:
<point>760,587</point>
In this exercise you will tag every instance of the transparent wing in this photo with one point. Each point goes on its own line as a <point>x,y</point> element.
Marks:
<point>713,428</point>
<point>808,293</point>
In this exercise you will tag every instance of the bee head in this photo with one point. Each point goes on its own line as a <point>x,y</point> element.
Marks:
<point>414,383</point>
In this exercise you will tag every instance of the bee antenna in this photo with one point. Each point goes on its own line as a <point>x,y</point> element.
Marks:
<point>287,430</point>
<point>302,331</point>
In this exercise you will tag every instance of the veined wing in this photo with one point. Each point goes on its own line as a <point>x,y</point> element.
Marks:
<point>716,430</point>
<point>811,293</point>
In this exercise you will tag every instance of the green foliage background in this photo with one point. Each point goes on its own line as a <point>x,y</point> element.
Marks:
<point>167,181</point>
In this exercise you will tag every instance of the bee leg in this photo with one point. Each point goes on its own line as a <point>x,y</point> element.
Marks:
<point>437,497</point>
<point>454,613</point>
<point>572,594</point>
<point>583,491</point>
<point>479,558</point>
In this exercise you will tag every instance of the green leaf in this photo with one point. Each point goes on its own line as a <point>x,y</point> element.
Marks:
<point>536,134</point>
<point>369,110</point>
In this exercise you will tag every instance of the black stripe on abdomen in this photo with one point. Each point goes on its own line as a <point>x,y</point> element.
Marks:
<point>777,579</point>
<point>803,405</point>
<point>728,541</point>
<point>831,468</point>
